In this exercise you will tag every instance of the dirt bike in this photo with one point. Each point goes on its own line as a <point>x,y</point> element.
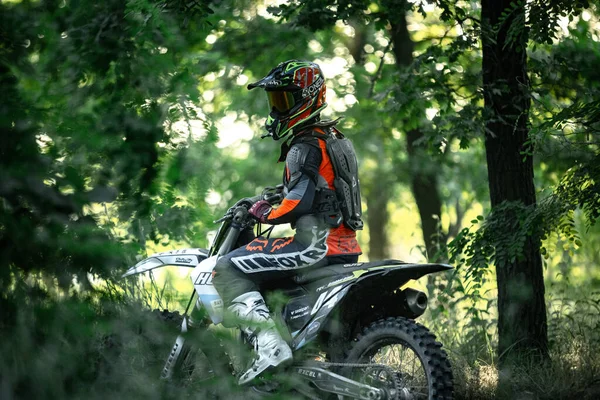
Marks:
<point>351,326</point>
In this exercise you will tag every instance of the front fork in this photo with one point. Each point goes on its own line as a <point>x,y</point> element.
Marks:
<point>169,368</point>
<point>193,322</point>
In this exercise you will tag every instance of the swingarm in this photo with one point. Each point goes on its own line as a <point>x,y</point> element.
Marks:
<point>328,381</point>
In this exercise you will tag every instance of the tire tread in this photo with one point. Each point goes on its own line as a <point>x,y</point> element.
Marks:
<point>430,351</point>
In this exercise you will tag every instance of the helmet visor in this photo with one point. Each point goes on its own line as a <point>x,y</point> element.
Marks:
<point>281,101</point>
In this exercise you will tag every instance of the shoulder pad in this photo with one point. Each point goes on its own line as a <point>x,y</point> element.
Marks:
<point>307,138</point>
<point>303,158</point>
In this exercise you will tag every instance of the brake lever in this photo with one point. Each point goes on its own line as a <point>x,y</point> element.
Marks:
<point>223,218</point>
<point>228,214</point>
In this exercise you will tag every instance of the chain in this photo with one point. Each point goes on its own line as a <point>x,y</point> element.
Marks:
<point>324,364</point>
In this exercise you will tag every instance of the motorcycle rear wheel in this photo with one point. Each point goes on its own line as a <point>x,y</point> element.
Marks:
<point>421,367</point>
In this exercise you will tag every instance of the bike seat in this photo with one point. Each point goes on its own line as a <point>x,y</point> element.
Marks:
<point>314,274</point>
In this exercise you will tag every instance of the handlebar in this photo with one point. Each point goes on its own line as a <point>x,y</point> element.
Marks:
<point>273,195</point>
<point>274,199</point>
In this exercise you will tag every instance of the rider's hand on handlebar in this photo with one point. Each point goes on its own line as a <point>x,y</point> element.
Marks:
<point>245,202</point>
<point>271,195</point>
<point>260,210</point>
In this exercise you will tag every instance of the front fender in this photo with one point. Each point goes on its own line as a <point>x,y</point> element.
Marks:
<point>182,258</point>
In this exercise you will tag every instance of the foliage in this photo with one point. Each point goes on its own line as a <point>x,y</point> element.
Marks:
<point>115,121</point>
<point>500,237</point>
<point>572,371</point>
<point>124,71</point>
<point>96,347</point>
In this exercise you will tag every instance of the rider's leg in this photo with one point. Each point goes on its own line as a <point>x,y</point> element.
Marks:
<point>238,277</point>
<point>246,308</point>
<point>254,319</point>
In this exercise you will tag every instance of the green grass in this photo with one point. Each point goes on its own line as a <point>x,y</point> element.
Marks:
<point>109,345</point>
<point>573,371</point>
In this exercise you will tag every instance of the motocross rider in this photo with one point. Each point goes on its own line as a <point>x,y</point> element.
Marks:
<point>324,235</point>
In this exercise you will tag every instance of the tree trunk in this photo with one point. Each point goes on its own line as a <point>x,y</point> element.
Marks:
<point>376,192</point>
<point>425,190</point>
<point>377,218</point>
<point>423,181</point>
<point>522,326</point>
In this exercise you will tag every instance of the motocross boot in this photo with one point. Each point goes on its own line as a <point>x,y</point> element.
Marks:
<point>254,319</point>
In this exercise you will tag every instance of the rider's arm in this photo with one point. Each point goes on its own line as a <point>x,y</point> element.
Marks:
<point>302,171</point>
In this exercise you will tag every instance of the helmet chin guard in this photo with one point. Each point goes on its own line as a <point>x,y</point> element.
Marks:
<point>279,126</point>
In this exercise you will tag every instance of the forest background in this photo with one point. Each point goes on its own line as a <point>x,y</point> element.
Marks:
<point>127,129</point>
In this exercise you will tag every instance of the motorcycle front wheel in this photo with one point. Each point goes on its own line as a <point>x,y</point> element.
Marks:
<point>199,367</point>
<point>207,364</point>
<point>416,367</point>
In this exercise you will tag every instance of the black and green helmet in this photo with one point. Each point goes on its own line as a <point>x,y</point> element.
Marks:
<point>295,92</point>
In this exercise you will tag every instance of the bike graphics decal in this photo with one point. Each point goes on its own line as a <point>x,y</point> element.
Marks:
<point>343,279</point>
<point>207,294</point>
<point>181,257</point>
<point>315,252</point>
<point>326,296</point>
<point>361,272</point>
<point>179,251</point>
<point>296,312</point>
<point>323,306</point>
<point>312,328</point>
<point>299,313</point>
<point>204,278</point>
<point>217,305</point>
<point>213,305</point>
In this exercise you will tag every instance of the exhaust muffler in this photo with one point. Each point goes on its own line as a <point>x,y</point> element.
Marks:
<point>415,302</point>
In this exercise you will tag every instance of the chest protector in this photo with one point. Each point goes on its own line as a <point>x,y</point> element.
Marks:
<point>342,203</point>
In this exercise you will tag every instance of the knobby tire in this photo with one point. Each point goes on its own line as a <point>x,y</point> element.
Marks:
<point>411,335</point>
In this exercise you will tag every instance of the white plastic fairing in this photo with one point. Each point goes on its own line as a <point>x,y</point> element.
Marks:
<point>207,294</point>
<point>182,258</point>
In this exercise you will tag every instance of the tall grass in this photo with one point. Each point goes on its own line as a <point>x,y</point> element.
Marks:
<point>105,344</point>
<point>108,344</point>
<point>573,371</point>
